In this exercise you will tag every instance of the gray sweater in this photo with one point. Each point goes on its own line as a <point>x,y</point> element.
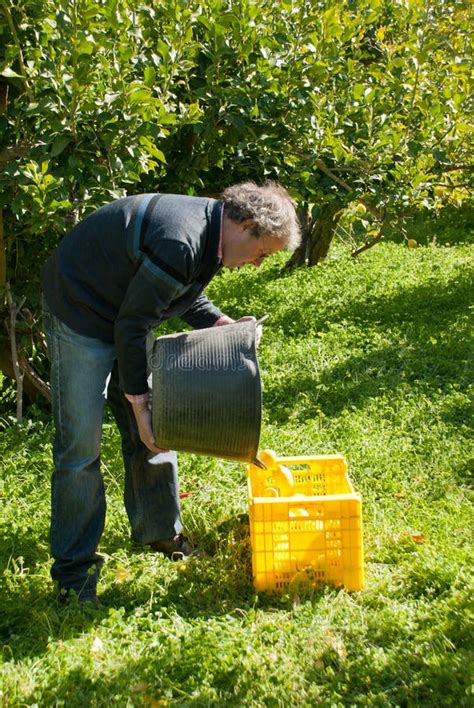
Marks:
<point>131,265</point>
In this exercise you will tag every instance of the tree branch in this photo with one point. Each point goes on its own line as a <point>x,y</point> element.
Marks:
<point>16,40</point>
<point>11,329</point>
<point>366,246</point>
<point>36,380</point>
<point>12,152</point>
<point>324,168</point>
<point>353,170</point>
<point>3,257</point>
<point>453,168</point>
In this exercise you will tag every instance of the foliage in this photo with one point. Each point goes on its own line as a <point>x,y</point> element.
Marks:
<point>113,98</point>
<point>369,358</point>
<point>361,109</point>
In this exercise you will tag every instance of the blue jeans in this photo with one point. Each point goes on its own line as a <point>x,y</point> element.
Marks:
<point>84,375</point>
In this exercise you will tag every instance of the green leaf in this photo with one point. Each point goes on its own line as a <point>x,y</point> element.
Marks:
<point>204,21</point>
<point>159,155</point>
<point>369,94</point>
<point>10,74</point>
<point>151,149</point>
<point>163,49</point>
<point>85,47</point>
<point>111,97</point>
<point>150,76</point>
<point>140,95</point>
<point>61,142</point>
<point>358,91</point>
<point>194,111</point>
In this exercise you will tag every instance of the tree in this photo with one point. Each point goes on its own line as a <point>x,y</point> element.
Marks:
<point>360,109</point>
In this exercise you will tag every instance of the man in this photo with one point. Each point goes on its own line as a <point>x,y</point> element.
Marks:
<point>126,268</point>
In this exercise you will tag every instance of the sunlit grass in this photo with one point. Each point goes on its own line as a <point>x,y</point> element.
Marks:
<point>371,359</point>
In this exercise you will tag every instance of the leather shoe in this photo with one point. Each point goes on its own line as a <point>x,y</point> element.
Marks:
<point>177,548</point>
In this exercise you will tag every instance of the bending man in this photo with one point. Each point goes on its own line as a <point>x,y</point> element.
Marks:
<point>123,270</point>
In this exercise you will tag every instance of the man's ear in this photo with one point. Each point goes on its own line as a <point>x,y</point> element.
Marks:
<point>247,224</point>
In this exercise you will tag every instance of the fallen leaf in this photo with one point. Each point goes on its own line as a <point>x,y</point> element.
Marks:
<point>409,535</point>
<point>336,644</point>
<point>121,574</point>
<point>418,538</point>
<point>139,687</point>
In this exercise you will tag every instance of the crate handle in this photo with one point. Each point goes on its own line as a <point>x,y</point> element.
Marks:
<point>272,492</point>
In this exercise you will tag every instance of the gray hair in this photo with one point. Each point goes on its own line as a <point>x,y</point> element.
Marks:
<point>269,205</point>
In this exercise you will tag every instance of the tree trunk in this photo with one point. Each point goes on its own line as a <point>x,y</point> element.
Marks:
<point>323,233</point>
<point>3,260</point>
<point>316,236</point>
<point>19,376</point>
<point>33,385</point>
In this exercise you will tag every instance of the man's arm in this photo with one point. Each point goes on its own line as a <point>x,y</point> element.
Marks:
<point>202,313</point>
<point>150,292</point>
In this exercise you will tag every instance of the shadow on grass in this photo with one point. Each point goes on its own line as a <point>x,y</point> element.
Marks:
<point>363,376</point>
<point>449,226</point>
<point>423,305</point>
<point>182,664</point>
<point>433,350</point>
<point>201,588</point>
<point>432,353</point>
<point>429,304</point>
<point>33,618</point>
<point>182,667</point>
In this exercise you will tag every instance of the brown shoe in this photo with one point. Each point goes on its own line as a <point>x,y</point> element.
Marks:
<point>177,548</point>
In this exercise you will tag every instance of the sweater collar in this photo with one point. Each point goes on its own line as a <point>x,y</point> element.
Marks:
<point>212,256</point>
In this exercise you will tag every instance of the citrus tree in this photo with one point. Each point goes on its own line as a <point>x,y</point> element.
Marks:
<point>360,109</point>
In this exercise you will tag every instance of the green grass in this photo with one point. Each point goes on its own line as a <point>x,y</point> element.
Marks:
<point>370,358</point>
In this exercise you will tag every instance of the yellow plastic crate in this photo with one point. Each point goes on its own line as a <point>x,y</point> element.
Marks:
<point>305,523</point>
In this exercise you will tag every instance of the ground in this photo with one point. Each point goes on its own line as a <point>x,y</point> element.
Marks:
<point>368,358</point>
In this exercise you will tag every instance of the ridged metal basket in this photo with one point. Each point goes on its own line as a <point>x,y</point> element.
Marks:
<point>207,395</point>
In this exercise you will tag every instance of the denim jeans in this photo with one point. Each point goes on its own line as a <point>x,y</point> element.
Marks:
<point>84,375</point>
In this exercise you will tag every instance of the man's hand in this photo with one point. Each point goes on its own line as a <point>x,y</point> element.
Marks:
<point>258,329</point>
<point>225,320</point>
<point>142,415</point>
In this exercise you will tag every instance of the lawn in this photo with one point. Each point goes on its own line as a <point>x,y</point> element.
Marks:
<point>369,358</point>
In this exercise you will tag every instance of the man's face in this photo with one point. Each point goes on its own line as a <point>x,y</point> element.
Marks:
<point>240,247</point>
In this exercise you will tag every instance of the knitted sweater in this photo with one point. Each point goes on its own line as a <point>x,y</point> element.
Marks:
<point>132,264</point>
